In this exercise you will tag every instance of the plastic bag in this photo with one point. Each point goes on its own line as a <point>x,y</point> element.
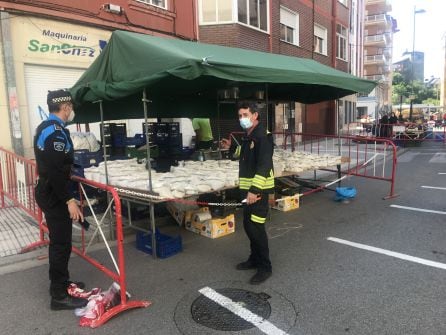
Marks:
<point>77,292</point>
<point>98,304</point>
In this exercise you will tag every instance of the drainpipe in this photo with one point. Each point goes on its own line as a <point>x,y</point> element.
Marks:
<point>333,35</point>
<point>271,26</point>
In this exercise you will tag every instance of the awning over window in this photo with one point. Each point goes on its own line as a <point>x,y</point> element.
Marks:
<point>182,78</point>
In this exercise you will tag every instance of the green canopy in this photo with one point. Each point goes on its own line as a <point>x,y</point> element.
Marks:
<point>182,78</point>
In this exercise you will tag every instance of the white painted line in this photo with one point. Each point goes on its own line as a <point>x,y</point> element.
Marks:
<point>264,325</point>
<point>434,187</point>
<point>441,172</point>
<point>390,253</point>
<point>418,209</point>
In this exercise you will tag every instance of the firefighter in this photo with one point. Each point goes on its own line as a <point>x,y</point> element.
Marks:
<point>256,181</point>
<point>53,150</point>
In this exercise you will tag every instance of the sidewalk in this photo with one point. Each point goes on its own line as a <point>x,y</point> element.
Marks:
<point>17,230</point>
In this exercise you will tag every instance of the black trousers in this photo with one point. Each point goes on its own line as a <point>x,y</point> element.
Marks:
<point>256,233</point>
<point>204,145</point>
<point>60,233</point>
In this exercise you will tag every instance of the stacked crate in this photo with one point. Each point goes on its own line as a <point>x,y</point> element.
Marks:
<point>167,137</point>
<point>114,137</point>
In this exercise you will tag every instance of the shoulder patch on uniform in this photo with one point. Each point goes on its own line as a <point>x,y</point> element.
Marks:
<point>59,146</point>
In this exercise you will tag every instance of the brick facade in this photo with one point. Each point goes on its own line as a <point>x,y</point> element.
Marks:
<point>316,118</point>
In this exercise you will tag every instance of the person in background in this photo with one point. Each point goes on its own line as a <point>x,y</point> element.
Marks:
<point>256,182</point>
<point>203,131</point>
<point>53,150</point>
<point>393,119</point>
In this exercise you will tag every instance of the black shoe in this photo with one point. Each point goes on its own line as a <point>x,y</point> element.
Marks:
<point>248,265</point>
<point>67,302</point>
<point>79,284</point>
<point>260,277</point>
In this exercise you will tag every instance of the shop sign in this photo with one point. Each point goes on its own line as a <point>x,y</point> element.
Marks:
<point>64,44</point>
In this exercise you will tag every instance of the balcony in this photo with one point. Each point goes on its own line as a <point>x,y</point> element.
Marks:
<point>380,40</point>
<point>375,59</point>
<point>378,19</point>
<point>378,77</point>
<point>387,69</point>
<point>383,4</point>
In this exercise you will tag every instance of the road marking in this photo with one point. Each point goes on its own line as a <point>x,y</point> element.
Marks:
<point>262,324</point>
<point>434,187</point>
<point>441,172</point>
<point>418,209</point>
<point>390,253</point>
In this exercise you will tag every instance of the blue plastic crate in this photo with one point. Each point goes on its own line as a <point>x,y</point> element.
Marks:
<point>166,246</point>
<point>137,140</point>
<point>85,158</point>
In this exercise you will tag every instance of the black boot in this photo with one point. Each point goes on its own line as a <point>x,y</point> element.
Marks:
<point>67,302</point>
<point>248,265</point>
<point>260,277</point>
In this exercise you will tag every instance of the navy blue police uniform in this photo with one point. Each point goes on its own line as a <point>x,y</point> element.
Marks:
<point>53,150</point>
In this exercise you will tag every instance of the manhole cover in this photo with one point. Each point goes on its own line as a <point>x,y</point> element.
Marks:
<point>210,314</point>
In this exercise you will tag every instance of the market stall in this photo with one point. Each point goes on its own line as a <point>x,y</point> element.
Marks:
<point>139,76</point>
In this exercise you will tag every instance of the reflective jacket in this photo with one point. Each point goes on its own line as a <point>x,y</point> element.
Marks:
<point>256,162</point>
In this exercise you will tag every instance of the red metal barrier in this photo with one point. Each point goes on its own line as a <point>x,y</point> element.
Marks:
<point>362,157</point>
<point>362,154</point>
<point>23,196</point>
<point>402,133</point>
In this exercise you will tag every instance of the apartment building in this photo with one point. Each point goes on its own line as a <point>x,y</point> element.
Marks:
<point>317,29</point>
<point>48,44</point>
<point>378,39</point>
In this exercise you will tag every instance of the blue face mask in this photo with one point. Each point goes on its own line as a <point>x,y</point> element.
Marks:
<point>245,122</point>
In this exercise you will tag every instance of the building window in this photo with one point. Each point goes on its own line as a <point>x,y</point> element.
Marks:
<point>253,13</point>
<point>215,11</point>
<point>344,2</point>
<point>320,39</point>
<point>341,42</point>
<point>289,26</point>
<point>157,3</point>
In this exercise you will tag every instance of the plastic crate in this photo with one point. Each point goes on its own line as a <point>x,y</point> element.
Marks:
<point>85,158</point>
<point>137,140</point>
<point>166,246</point>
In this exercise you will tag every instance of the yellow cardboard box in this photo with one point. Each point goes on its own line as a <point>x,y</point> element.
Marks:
<point>287,203</point>
<point>180,211</point>
<point>212,227</point>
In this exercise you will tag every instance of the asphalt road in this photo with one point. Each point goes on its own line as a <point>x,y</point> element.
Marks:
<point>333,268</point>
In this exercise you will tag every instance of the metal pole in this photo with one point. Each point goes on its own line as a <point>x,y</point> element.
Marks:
<point>104,146</point>
<point>149,168</point>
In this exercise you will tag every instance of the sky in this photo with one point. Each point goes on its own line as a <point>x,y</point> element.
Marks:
<point>430,32</point>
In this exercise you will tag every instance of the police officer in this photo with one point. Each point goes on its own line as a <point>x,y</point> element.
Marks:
<point>256,181</point>
<point>53,150</point>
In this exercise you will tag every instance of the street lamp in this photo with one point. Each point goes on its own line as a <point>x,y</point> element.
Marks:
<point>415,12</point>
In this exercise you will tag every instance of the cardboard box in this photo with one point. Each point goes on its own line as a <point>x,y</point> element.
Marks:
<point>287,203</point>
<point>211,227</point>
<point>179,211</point>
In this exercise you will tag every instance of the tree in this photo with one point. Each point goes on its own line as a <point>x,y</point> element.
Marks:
<point>404,88</point>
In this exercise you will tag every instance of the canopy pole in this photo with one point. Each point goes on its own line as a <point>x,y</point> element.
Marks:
<point>338,125</point>
<point>101,111</point>
<point>149,169</point>
<point>267,106</point>
<point>218,127</point>
<point>146,130</point>
<point>104,149</point>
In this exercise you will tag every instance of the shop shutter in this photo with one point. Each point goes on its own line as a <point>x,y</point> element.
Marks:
<point>38,80</point>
